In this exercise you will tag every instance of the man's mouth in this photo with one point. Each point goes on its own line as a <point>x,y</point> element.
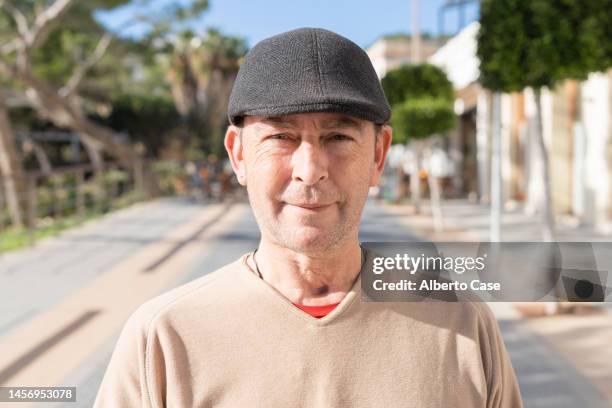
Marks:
<point>311,206</point>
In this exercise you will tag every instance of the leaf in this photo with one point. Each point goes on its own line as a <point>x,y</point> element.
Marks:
<point>537,43</point>
<point>421,118</point>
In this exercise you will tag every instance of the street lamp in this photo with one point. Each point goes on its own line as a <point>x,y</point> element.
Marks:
<point>460,6</point>
<point>415,38</point>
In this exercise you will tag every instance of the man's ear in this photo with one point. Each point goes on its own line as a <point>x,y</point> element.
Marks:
<point>383,142</point>
<point>233,145</point>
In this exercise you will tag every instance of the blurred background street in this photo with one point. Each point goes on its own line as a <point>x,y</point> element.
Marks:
<point>115,186</point>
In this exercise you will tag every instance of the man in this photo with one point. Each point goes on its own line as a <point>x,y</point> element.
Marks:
<point>284,326</point>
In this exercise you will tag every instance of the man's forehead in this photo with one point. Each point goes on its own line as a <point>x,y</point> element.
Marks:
<point>318,119</point>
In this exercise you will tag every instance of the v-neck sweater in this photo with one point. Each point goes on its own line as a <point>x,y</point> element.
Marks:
<point>228,339</point>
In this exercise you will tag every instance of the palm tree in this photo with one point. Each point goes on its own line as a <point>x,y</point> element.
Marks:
<point>201,73</point>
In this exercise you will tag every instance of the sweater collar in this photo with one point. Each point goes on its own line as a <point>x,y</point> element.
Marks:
<point>250,276</point>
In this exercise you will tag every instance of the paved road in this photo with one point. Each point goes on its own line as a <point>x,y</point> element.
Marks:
<point>34,279</point>
<point>80,257</point>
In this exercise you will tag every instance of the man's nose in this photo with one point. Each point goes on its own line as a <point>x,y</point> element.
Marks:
<point>310,164</point>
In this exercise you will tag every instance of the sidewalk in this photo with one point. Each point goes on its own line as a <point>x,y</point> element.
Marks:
<point>32,279</point>
<point>547,352</point>
<point>64,300</point>
<point>468,221</point>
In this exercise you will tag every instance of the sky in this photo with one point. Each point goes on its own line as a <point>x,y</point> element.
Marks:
<point>362,21</point>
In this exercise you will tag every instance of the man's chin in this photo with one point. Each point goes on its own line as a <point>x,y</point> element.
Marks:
<point>310,239</point>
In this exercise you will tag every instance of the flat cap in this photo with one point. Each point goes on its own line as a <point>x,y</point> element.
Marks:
<point>307,70</point>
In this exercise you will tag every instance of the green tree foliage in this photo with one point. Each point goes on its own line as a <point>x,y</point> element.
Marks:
<point>70,44</point>
<point>421,98</point>
<point>148,119</point>
<point>132,68</point>
<point>416,81</point>
<point>422,117</point>
<point>76,38</point>
<point>537,43</point>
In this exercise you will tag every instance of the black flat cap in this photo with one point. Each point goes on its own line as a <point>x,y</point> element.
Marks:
<point>307,70</point>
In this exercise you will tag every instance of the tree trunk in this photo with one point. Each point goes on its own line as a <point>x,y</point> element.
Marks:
<point>41,158</point>
<point>95,156</point>
<point>550,308</point>
<point>496,171</point>
<point>415,179</point>
<point>148,179</point>
<point>434,195</point>
<point>572,91</point>
<point>549,222</point>
<point>63,113</point>
<point>400,187</point>
<point>11,170</point>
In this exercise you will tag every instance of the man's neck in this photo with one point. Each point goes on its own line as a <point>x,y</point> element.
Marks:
<point>309,280</point>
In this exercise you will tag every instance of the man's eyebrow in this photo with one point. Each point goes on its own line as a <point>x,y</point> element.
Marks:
<point>340,122</point>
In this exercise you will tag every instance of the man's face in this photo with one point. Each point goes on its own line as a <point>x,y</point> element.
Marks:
<point>308,175</point>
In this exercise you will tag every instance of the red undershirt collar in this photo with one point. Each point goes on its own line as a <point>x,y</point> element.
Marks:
<point>317,311</point>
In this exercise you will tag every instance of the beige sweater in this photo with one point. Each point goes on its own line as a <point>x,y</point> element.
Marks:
<point>229,339</point>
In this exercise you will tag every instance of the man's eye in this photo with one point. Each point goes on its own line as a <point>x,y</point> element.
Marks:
<point>279,136</point>
<point>340,136</point>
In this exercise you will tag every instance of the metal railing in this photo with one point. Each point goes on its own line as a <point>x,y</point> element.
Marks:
<point>72,192</point>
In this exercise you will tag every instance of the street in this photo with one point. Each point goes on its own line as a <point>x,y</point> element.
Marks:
<point>64,301</point>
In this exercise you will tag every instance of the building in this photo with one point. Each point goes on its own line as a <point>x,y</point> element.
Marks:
<point>392,51</point>
<point>576,129</point>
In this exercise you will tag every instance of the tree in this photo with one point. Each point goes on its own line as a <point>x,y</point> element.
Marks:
<point>50,62</point>
<point>32,25</point>
<point>417,81</point>
<point>11,169</point>
<point>422,117</point>
<point>53,88</point>
<point>421,98</point>
<point>536,44</point>
<point>149,119</point>
<point>202,71</point>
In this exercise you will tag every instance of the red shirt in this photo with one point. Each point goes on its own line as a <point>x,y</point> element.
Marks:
<point>317,311</point>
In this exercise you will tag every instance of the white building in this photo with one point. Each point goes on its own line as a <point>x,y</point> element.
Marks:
<point>580,152</point>
<point>390,52</point>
